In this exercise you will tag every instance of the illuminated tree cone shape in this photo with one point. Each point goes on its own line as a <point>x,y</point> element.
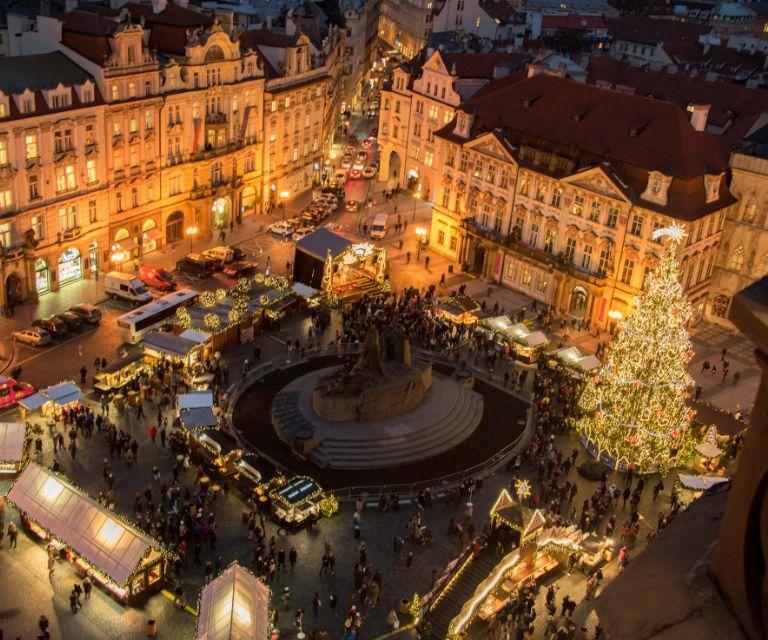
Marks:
<point>635,408</point>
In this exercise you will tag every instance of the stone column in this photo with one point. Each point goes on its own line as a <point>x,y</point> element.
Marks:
<point>740,560</point>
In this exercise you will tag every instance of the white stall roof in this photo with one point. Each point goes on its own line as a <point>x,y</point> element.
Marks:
<point>498,323</point>
<point>590,362</point>
<point>303,290</point>
<point>195,336</point>
<point>194,400</point>
<point>234,606</point>
<point>708,450</point>
<point>94,532</point>
<point>700,483</point>
<point>569,354</point>
<point>12,441</point>
<point>536,338</point>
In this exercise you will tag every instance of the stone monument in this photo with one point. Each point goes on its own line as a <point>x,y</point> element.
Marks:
<point>384,382</point>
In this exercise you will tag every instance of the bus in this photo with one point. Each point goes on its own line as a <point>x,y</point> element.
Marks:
<point>132,326</point>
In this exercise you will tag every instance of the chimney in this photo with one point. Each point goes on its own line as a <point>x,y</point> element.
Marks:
<point>158,6</point>
<point>699,113</point>
<point>535,69</point>
<point>70,5</point>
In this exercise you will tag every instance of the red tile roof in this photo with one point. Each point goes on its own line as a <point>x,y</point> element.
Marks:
<point>728,101</point>
<point>594,125</point>
<point>253,38</point>
<point>480,65</point>
<point>501,10</point>
<point>648,31</point>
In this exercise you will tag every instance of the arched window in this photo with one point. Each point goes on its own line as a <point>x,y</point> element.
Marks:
<point>762,265</point>
<point>736,261</point>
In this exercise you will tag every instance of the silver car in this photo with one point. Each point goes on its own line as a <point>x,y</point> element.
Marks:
<point>34,336</point>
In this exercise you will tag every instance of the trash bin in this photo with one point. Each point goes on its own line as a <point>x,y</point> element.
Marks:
<point>151,628</point>
<point>479,482</point>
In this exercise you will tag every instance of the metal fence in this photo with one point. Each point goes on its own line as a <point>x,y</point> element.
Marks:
<point>437,486</point>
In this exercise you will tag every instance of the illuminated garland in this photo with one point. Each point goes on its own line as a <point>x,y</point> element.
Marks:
<point>211,321</point>
<point>415,606</point>
<point>207,298</point>
<point>220,295</point>
<point>183,319</point>
<point>329,505</point>
<point>244,285</point>
<point>635,407</point>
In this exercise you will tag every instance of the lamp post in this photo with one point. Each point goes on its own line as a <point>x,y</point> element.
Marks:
<point>191,233</point>
<point>615,315</point>
<point>284,195</point>
<point>118,256</point>
<point>416,198</point>
<point>421,234</point>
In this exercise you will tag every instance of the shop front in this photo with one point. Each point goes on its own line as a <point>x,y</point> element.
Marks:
<point>70,266</point>
<point>151,237</point>
<point>42,276</point>
<point>118,557</point>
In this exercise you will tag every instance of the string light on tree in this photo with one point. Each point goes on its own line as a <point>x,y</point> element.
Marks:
<point>634,409</point>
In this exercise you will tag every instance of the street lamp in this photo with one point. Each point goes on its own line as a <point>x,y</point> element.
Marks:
<point>284,195</point>
<point>615,315</point>
<point>421,235</point>
<point>118,256</point>
<point>416,198</point>
<point>191,233</point>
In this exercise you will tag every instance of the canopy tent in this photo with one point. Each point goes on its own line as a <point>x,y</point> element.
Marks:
<point>194,400</point>
<point>700,483</point>
<point>168,344</point>
<point>12,435</point>
<point>708,449</point>
<point>234,606</point>
<point>574,358</point>
<point>114,547</point>
<point>61,394</point>
<point>198,418</point>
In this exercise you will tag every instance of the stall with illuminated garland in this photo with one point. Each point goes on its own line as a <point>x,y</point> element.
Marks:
<point>689,487</point>
<point>255,477</point>
<point>459,309</point>
<point>121,373</point>
<point>296,501</point>
<point>13,447</point>
<point>234,606</point>
<point>160,345</point>
<point>113,552</point>
<point>196,412</point>
<point>339,267</point>
<point>50,400</point>
<point>527,345</point>
<point>231,317</point>
<point>574,362</point>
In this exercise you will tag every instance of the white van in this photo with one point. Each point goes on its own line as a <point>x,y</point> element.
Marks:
<point>126,286</point>
<point>379,226</point>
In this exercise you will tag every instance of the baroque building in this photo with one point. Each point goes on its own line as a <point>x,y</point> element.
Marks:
<point>555,188</point>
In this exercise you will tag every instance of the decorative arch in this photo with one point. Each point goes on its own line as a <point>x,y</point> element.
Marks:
<point>214,53</point>
<point>736,259</point>
<point>121,234</point>
<point>174,227</point>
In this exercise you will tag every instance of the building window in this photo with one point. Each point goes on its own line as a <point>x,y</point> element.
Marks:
<point>736,260</point>
<point>174,185</point>
<point>90,171</point>
<point>135,197</point>
<point>549,240</point>
<point>133,155</point>
<point>441,237</point>
<point>541,191</point>
<point>428,158</point>
<point>603,262</point>
<point>534,236</point>
<point>504,179</point>
<point>30,142</point>
<point>27,105</point>
<point>415,151</point>
<point>38,227</point>
<point>557,197</point>
<point>627,270</point>
<point>586,257</point>
<point>750,210</point>
<point>478,172</point>
<point>3,152</point>
<point>453,243</point>
<point>5,198</point>
<point>65,178</point>
<point>570,249</point>
<point>92,213</point>
<point>433,112</point>
<point>637,226</point>
<point>33,183</point>
<point>613,217</point>
<point>115,92</point>
<point>594,211</point>
<point>67,218</point>
<point>524,186</point>
<point>578,205</point>
<point>148,120</point>
<point>450,157</point>
<point>463,162</point>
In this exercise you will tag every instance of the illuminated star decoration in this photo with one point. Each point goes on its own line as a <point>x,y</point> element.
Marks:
<point>523,489</point>
<point>676,233</point>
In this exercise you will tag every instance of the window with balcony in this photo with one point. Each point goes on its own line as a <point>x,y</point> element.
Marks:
<point>67,218</point>
<point>504,179</point>
<point>65,178</point>
<point>534,235</point>
<point>3,152</point>
<point>636,229</point>
<point>478,170</point>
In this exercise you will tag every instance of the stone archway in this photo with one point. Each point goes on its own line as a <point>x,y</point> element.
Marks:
<point>393,173</point>
<point>577,306</point>
<point>14,293</point>
<point>174,227</point>
<point>478,259</point>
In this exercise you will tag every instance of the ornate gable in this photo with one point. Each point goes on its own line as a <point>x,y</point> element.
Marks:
<point>490,145</point>
<point>598,181</point>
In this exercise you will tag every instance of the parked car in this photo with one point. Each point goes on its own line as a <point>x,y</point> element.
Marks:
<point>281,228</point>
<point>237,253</point>
<point>369,172</point>
<point>352,205</point>
<point>53,325</point>
<point>72,320</point>
<point>301,232</point>
<point>157,277</point>
<point>11,391</point>
<point>34,336</point>
<point>222,255</point>
<point>88,312</point>
<point>356,174</point>
<point>197,265</point>
<point>240,269</point>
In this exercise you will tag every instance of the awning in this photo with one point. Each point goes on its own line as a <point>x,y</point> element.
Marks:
<point>234,606</point>
<point>498,323</point>
<point>303,290</point>
<point>194,400</point>
<point>62,393</point>
<point>168,343</point>
<point>194,336</point>
<point>700,483</point>
<point>707,449</point>
<point>198,418</point>
<point>152,234</point>
<point>126,244</point>
<point>109,543</point>
<point>12,436</point>
<point>33,402</point>
<point>570,355</point>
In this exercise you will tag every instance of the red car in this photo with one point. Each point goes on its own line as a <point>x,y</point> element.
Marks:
<point>156,277</point>
<point>356,174</point>
<point>352,205</point>
<point>11,391</point>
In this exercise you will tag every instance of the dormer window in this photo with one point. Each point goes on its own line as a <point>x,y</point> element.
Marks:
<point>27,105</point>
<point>657,188</point>
<point>87,95</point>
<point>60,100</point>
<point>131,55</point>
<point>712,186</point>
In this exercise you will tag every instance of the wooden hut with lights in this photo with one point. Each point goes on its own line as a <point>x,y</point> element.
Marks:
<point>13,447</point>
<point>117,556</point>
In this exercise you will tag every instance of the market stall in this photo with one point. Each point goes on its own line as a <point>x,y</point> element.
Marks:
<point>13,447</point>
<point>120,374</point>
<point>527,344</point>
<point>161,344</point>
<point>708,458</point>
<point>690,487</point>
<point>255,477</point>
<point>309,295</point>
<point>296,501</point>
<point>51,399</point>
<point>118,556</point>
<point>234,606</point>
<point>334,264</point>
<point>576,362</point>
<point>459,309</point>
<point>218,449</point>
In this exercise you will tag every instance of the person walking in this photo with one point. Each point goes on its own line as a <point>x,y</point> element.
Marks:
<point>87,586</point>
<point>13,534</point>
<point>73,601</point>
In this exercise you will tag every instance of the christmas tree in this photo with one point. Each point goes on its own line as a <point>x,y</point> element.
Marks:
<point>634,408</point>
